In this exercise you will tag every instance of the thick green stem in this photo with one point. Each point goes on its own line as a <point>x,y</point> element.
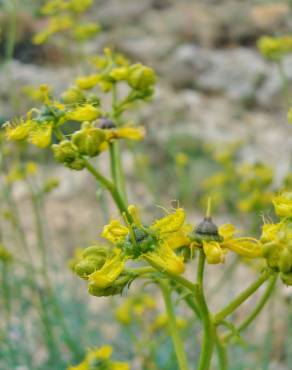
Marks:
<point>176,339</point>
<point>208,325</point>
<point>258,308</point>
<point>233,305</point>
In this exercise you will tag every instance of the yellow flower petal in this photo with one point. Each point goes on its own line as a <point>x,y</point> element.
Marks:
<point>246,247</point>
<point>17,132</point>
<point>85,112</point>
<point>115,232</point>
<point>131,133</point>
<point>120,366</point>
<point>87,82</point>
<point>41,135</point>
<point>109,272</point>
<point>179,238</point>
<point>166,259</point>
<point>213,252</point>
<point>170,223</point>
<point>283,204</point>
<point>226,231</point>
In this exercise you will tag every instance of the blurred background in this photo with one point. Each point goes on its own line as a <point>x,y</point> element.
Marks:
<point>217,126</point>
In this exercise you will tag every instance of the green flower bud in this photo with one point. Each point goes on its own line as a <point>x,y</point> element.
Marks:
<point>93,258</point>
<point>88,140</point>
<point>285,261</point>
<point>66,152</point>
<point>72,95</point>
<point>116,288</point>
<point>141,77</point>
<point>286,278</point>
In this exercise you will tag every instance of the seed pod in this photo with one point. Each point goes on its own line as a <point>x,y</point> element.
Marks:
<point>95,250</point>
<point>206,231</point>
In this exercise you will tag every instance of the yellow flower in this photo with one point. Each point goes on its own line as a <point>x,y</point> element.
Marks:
<point>87,82</point>
<point>181,159</point>
<point>216,242</point>
<point>17,131</point>
<point>152,243</point>
<point>80,6</point>
<point>274,48</point>
<point>132,133</point>
<point>166,259</point>
<point>109,272</point>
<point>161,321</point>
<point>85,31</point>
<point>41,135</point>
<point>115,232</point>
<point>102,353</point>
<point>86,112</point>
<point>283,204</point>
<point>119,366</point>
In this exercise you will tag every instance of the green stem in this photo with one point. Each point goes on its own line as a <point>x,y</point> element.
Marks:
<point>110,187</point>
<point>233,305</point>
<point>255,312</point>
<point>208,325</point>
<point>176,339</point>
<point>11,7</point>
<point>222,353</point>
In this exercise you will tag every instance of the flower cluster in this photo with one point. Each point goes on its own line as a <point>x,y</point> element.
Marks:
<point>99,128</point>
<point>275,48</point>
<point>100,359</point>
<point>64,17</point>
<point>104,268</point>
<point>277,238</point>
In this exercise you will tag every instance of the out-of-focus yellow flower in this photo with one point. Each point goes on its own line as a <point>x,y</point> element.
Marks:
<point>283,204</point>
<point>161,322</point>
<point>54,6</point>
<point>274,48</point>
<point>5,255</point>
<point>39,94</point>
<point>181,159</point>
<point>85,31</point>
<point>86,112</point>
<point>41,135</point>
<point>126,132</point>
<point>87,82</point>
<point>17,131</point>
<point>102,356</point>
<point>134,307</point>
<point>80,6</point>
<point>56,24</point>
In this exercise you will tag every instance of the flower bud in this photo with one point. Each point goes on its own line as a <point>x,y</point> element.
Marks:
<point>283,204</point>
<point>88,140</point>
<point>66,152</point>
<point>141,77</point>
<point>115,288</point>
<point>72,95</point>
<point>93,258</point>
<point>285,261</point>
<point>286,278</point>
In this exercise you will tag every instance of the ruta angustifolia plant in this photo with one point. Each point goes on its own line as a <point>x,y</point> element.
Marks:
<point>160,249</point>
